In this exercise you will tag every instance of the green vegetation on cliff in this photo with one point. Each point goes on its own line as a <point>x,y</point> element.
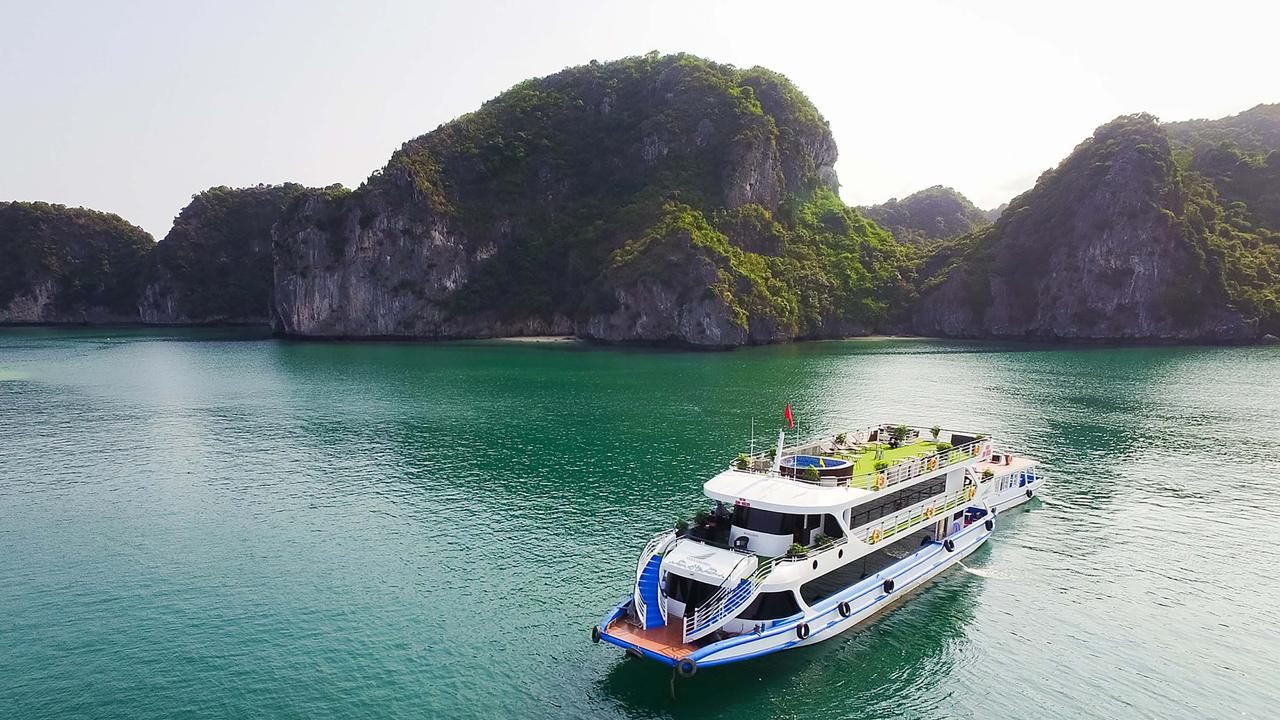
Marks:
<point>674,199</point>
<point>1232,170</point>
<point>1256,130</point>
<point>1130,233</point>
<point>215,264</point>
<point>615,174</point>
<point>936,213</point>
<point>823,264</point>
<point>91,263</point>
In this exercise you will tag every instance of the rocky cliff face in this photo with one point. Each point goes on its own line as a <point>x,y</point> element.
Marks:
<point>214,265</point>
<point>936,213</point>
<point>557,208</point>
<point>69,265</point>
<point>1117,242</point>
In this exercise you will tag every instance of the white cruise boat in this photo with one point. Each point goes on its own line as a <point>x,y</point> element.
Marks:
<point>808,541</point>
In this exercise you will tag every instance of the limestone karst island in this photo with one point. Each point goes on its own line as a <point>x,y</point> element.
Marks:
<point>672,199</point>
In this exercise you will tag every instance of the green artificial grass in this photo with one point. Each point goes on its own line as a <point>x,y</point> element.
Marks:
<point>865,462</point>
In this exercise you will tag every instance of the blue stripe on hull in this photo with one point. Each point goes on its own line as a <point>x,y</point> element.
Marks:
<point>909,563</point>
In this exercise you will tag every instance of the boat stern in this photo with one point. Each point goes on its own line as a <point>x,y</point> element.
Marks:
<point>663,644</point>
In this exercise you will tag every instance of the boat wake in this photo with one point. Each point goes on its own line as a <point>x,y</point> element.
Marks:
<point>978,571</point>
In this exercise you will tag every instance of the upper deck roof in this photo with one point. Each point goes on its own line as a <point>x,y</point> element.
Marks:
<point>780,494</point>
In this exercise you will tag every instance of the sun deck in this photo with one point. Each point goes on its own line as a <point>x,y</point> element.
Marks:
<point>867,459</point>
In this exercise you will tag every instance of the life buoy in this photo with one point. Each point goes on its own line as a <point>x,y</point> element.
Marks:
<point>875,537</point>
<point>972,491</point>
<point>933,463</point>
<point>687,667</point>
<point>928,512</point>
<point>948,545</point>
<point>880,481</point>
<point>802,631</point>
<point>1029,493</point>
<point>595,633</point>
<point>888,586</point>
<point>845,610</point>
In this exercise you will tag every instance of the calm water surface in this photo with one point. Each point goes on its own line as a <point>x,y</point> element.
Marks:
<point>201,525</point>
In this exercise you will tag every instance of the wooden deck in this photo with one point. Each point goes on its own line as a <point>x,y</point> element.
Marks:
<point>667,640</point>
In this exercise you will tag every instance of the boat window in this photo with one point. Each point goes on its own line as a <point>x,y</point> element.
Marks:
<point>831,527</point>
<point>891,503</point>
<point>842,578</point>
<point>767,521</point>
<point>687,590</point>
<point>771,606</point>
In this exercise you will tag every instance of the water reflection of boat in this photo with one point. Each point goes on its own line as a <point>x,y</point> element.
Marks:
<point>807,541</point>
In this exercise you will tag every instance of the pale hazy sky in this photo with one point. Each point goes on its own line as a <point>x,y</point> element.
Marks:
<point>132,107</point>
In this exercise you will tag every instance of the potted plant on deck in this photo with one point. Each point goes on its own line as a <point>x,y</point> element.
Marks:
<point>899,436</point>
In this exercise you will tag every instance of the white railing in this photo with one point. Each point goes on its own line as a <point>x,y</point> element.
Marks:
<point>900,471</point>
<point>726,601</point>
<point>913,517</point>
<point>658,543</point>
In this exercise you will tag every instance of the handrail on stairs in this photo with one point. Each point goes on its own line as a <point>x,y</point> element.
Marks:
<point>708,616</point>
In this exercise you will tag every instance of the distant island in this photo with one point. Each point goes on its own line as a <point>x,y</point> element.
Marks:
<point>671,199</point>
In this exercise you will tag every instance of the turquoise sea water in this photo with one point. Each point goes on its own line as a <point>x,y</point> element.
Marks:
<point>207,525</point>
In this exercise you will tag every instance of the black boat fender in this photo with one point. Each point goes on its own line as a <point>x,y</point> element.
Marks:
<point>1029,493</point>
<point>845,610</point>
<point>948,545</point>
<point>802,631</point>
<point>687,667</point>
<point>991,525</point>
<point>888,586</point>
<point>595,633</point>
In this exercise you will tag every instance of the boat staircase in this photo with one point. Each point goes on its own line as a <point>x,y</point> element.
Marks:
<point>734,595</point>
<point>650,610</point>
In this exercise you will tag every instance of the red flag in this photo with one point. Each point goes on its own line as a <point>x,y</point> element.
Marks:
<point>791,421</point>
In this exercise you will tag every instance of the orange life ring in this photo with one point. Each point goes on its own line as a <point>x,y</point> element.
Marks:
<point>880,480</point>
<point>933,463</point>
<point>875,537</point>
<point>928,512</point>
<point>973,489</point>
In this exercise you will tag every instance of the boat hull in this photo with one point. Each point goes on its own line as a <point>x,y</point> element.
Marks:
<point>866,599</point>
